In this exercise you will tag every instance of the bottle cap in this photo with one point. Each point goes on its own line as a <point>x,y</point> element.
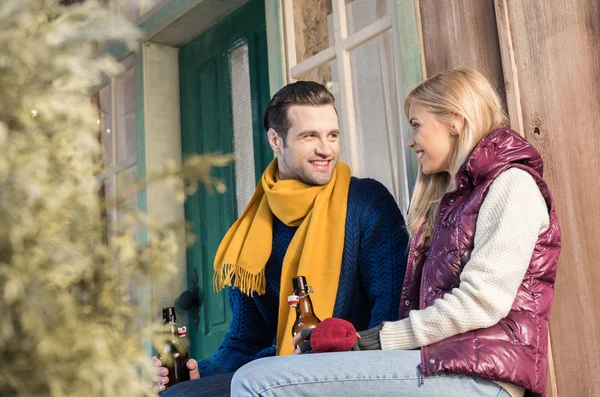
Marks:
<point>293,300</point>
<point>299,284</point>
<point>169,315</point>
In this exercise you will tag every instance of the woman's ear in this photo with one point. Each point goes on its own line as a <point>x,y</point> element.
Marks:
<point>458,123</point>
<point>274,140</point>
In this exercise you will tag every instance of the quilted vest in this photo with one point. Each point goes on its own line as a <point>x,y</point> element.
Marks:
<point>515,349</point>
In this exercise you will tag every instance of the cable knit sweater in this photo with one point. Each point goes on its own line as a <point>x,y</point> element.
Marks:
<point>511,217</point>
<point>372,273</point>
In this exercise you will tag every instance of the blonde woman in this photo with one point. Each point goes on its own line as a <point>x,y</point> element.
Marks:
<point>480,277</point>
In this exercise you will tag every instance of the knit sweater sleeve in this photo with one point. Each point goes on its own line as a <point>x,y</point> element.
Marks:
<point>249,337</point>
<point>382,254</point>
<point>510,220</point>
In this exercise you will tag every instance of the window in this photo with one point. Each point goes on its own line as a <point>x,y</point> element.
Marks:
<point>350,46</point>
<point>117,105</point>
<point>116,101</point>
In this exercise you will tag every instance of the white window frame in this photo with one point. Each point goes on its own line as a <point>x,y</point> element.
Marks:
<point>339,53</point>
<point>115,167</point>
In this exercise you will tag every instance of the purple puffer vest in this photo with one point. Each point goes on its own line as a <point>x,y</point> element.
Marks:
<point>515,349</point>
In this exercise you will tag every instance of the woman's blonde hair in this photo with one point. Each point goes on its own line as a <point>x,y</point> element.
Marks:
<point>460,91</point>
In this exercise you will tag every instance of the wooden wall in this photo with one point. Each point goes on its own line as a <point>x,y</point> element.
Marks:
<point>556,46</point>
<point>546,54</point>
<point>461,33</point>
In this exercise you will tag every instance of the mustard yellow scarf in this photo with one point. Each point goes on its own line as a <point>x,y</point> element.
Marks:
<point>315,250</point>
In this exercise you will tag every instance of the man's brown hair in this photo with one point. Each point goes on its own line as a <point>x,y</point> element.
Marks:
<point>307,93</point>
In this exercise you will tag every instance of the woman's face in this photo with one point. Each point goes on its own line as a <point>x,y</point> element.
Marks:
<point>431,139</point>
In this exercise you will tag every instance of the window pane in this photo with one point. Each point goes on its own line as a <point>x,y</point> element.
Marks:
<point>110,211</point>
<point>125,179</point>
<point>313,27</point>
<point>376,110</point>
<point>243,145</point>
<point>326,75</point>
<point>95,102</point>
<point>123,221</point>
<point>361,13</point>
<point>106,124</point>
<point>126,136</point>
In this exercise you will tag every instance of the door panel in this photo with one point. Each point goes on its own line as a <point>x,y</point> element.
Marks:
<point>208,107</point>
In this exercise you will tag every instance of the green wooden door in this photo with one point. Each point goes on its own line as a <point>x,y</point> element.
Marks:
<point>224,89</point>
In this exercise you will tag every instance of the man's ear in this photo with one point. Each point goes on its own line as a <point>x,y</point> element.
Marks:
<point>274,140</point>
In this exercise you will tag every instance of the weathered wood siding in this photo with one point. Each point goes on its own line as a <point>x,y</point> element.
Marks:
<point>546,55</point>
<point>556,46</point>
<point>461,33</point>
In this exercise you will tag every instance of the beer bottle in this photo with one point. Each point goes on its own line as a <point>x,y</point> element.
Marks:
<point>173,355</point>
<point>305,316</point>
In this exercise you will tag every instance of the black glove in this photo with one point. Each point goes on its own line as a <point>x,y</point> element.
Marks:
<point>305,347</point>
<point>369,339</point>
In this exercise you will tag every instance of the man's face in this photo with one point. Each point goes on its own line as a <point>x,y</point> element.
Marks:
<point>311,148</point>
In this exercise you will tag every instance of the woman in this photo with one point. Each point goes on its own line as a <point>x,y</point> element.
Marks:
<point>480,277</point>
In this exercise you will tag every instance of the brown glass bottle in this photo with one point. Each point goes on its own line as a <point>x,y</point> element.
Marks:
<point>305,316</point>
<point>173,355</point>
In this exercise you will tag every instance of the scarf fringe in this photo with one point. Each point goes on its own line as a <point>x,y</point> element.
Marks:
<point>242,280</point>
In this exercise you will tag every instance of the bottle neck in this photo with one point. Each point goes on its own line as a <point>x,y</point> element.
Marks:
<point>170,331</point>
<point>305,305</point>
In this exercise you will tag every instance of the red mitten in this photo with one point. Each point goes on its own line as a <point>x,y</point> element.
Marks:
<point>333,335</point>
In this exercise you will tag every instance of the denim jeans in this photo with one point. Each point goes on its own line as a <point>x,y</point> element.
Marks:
<point>210,386</point>
<point>364,373</point>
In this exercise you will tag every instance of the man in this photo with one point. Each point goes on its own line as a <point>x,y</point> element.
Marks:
<point>308,217</point>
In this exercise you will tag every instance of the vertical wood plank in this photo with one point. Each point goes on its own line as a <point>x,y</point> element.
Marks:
<point>462,33</point>
<point>551,388</point>
<point>556,47</point>
<point>509,67</point>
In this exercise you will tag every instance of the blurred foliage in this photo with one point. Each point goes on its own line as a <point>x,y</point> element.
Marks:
<point>69,326</point>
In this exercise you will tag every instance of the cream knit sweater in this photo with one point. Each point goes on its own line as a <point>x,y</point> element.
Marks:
<point>510,219</point>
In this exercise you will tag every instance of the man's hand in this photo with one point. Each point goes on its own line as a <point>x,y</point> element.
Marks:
<point>161,377</point>
<point>302,341</point>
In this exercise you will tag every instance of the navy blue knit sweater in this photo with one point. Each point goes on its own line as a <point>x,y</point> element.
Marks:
<point>372,273</point>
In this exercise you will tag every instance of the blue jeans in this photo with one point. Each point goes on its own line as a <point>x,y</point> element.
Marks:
<point>364,373</point>
<point>210,386</point>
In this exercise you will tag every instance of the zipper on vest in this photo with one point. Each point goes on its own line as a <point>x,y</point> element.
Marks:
<point>422,292</point>
<point>410,271</point>
<point>434,240</point>
<point>512,330</point>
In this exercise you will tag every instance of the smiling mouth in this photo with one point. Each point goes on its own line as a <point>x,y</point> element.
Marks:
<point>320,164</point>
<point>419,153</point>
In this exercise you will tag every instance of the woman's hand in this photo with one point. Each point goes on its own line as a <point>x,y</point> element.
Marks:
<point>331,335</point>
<point>336,335</point>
